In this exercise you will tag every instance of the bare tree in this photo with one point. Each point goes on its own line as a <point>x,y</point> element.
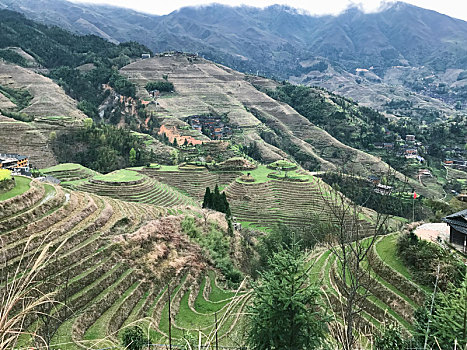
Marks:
<point>350,240</point>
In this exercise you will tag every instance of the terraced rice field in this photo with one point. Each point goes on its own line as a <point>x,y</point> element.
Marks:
<point>394,297</point>
<point>191,182</point>
<point>125,184</point>
<point>70,174</point>
<point>264,203</point>
<point>113,267</point>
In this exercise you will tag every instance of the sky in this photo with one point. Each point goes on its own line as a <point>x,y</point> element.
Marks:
<point>453,8</point>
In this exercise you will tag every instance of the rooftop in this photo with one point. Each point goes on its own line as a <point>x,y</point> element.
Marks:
<point>458,221</point>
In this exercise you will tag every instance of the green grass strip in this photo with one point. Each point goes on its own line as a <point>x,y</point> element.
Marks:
<point>22,184</point>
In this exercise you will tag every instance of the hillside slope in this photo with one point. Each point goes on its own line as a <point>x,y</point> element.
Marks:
<point>48,110</point>
<point>112,265</point>
<point>48,99</point>
<point>204,87</point>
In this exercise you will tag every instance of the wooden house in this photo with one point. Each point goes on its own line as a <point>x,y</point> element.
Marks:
<point>458,229</point>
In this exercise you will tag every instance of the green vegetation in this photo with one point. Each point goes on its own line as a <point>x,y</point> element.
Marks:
<point>122,175</point>
<point>21,186</point>
<point>416,253</point>
<point>363,128</point>
<point>133,338</point>
<point>13,57</point>
<point>103,148</point>
<point>285,312</point>
<point>282,165</point>
<point>217,246</point>
<point>390,338</point>
<point>387,250</point>
<point>260,174</point>
<point>62,52</point>
<point>361,191</point>
<point>160,85</point>
<point>5,174</point>
<point>216,201</point>
<point>21,98</point>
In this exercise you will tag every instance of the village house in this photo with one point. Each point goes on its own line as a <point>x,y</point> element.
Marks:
<point>383,189</point>
<point>458,230</point>
<point>375,180</point>
<point>212,126</point>
<point>410,138</point>
<point>388,145</point>
<point>14,162</point>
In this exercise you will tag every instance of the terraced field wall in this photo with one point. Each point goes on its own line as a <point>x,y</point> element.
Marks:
<point>113,267</point>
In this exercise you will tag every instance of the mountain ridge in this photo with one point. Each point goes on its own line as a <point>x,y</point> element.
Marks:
<point>280,41</point>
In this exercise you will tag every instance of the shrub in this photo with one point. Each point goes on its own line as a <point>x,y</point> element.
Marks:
<point>161,85</point>
<point>133,338</point>
<point>422,259</point>
<point>390,338</point>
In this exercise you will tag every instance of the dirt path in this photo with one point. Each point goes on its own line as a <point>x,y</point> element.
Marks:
<point>431,231</point>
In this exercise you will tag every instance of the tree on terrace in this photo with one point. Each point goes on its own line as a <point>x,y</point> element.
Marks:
<point>285,312</point>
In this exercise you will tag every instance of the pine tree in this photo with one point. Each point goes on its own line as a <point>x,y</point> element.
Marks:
<point>216,201</point>
<point>284,312</point>
<point>225,205</point>
<point>132,157</point>
<point>207,198</point>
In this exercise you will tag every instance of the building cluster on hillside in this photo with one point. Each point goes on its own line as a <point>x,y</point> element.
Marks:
<point>407,148</point>
<point>459,164</point>
<point>211,126</point>
<point>15,162</point>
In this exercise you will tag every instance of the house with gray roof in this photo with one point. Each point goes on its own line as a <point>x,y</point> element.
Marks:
<point>458,229</point>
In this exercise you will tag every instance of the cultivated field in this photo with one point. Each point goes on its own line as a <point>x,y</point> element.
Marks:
<point>395,296</point>
<point>204,87</point>
<point>117,263</point>
<point>114,265</point>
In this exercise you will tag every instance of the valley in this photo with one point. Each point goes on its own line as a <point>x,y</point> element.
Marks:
<point>231,177</point>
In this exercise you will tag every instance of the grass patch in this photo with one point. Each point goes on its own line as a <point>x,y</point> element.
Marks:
<point>63,167</point>
<point>386,249</point>
<point>21,186</point>
<point>122,175</point>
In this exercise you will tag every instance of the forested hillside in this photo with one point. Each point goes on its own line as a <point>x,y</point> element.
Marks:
<point>62,52</point>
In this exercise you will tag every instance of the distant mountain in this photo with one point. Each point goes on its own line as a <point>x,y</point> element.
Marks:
<point>282,42</point>
<point>400,34</point>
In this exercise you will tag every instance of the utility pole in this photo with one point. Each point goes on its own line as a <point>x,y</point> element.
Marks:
<point>217,342</point>
<point>431,310</point>
<point>170,319</point>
